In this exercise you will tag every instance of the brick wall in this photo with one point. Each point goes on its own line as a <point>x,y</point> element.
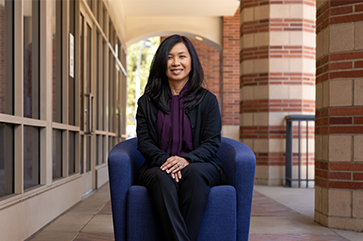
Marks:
<point>339,114</point>
<point>277,78</point>
<point>231,59</point>
<point>210,59</point>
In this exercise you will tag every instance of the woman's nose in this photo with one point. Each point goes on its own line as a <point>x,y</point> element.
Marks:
<point>175,61</point>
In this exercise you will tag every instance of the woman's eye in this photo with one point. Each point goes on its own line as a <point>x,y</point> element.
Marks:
<point>182,56</point>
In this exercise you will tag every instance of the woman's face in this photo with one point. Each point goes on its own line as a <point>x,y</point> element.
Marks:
<point>179,63</point>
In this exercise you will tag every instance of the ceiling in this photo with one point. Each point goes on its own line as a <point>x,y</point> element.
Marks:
<point>179,7</point>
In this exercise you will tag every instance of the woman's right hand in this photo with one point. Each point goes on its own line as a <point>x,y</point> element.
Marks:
<point>176,176</point>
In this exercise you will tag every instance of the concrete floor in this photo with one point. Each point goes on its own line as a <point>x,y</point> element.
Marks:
<point>278,213</point>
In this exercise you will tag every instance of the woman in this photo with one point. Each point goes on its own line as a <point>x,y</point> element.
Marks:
<point>179,133</point>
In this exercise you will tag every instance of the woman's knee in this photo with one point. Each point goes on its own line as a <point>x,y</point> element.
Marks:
<point>155,176</point>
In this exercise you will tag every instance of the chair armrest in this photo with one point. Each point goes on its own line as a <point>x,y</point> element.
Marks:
<point>243,181</point>
<point>123,172</point>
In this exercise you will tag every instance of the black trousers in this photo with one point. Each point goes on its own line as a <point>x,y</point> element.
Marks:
<point>180,206</point>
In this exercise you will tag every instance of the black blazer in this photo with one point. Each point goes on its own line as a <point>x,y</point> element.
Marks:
<point>206,124</point>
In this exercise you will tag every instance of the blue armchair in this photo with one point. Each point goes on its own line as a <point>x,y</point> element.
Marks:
<point>228,212</point>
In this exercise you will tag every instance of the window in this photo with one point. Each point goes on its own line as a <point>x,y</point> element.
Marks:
<point>6,159</point>
<point>31,59</point>
<point>6,58</point>
<point>111,91</point>
<point>100,83</point>
<point>88,152</point>
<point>71,79</point>
<point>99,150</point>
<point>57,153</point>
<point>57,60</point>
<point>72,153</point>
<point>31,156</point>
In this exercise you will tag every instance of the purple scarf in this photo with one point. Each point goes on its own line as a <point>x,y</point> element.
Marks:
<point>174,131</point>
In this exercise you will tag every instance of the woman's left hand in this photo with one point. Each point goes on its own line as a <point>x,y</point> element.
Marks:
<point>174,164</point>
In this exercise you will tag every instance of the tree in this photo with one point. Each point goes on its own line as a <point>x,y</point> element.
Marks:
<point>142,53</point>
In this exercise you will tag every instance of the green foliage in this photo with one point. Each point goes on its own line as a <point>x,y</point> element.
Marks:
<point>148,49</point>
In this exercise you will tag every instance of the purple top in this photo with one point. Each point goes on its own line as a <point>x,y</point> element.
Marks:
<point>174,131</point>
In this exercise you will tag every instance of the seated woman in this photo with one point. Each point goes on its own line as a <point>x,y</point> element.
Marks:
<point>179,133</point>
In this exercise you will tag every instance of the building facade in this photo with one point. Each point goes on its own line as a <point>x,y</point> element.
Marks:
<point>62,107</point>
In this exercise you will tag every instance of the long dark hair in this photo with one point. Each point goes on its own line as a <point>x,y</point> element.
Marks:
<point>157,86</point>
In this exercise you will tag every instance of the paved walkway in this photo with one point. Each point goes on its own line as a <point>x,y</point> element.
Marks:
<point>278,213</point>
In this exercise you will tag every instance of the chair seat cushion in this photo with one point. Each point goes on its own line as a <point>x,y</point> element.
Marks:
<point>219,220</point>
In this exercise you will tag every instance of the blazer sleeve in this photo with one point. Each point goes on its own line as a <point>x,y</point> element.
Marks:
<point>208,127</point>
<point>145,143</point>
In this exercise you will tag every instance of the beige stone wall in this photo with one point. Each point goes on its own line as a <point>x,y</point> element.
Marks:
<point>339,115</point>
<point>277,78</point>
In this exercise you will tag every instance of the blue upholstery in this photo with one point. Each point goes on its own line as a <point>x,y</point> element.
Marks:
<point>228,212</point>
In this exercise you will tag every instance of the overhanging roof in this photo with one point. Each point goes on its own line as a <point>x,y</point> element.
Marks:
<point>147,18</point>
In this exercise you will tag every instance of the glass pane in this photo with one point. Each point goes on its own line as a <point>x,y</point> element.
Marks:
<point>104,25</point>
<point>98,150</point>
<point>104,69</point>
<point>97,10</point>
<point>31,156</point>
<point>119,49</point>
<point>89,62</point>
<point>6,58</point>
<point>6,159</point>
<point>111,94</point>
<point>57,60</point>
<point>81,162</point>
<point>81,123</point>
<point>31,59</point>
<point>72,153</point>
<point>111,37</point>
<point>88,153</point>
<point>123,103</point>
<point>99,82</point>
<point>103,149</point>
<point>110,143</point>
<point>88,80</point>
<point>57,153</point>
<point>71,84</point>
<point>117,102</point>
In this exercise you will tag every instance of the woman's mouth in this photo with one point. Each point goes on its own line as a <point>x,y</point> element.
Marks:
<point>176,71</point>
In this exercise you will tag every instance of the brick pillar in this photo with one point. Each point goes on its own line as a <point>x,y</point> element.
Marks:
<point>231,73</point>
<point>277,77</point>
<point>339,115</point>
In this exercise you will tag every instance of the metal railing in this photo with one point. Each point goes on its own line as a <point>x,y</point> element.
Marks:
<point>289,149</point>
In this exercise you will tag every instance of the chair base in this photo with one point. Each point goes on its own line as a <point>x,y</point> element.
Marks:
<point>219,220</point>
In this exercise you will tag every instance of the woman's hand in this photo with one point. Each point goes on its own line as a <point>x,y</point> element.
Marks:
<point>174,165</point>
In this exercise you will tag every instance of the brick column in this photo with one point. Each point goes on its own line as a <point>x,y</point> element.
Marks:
<point>277,77</point>
<point>339,115</point>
